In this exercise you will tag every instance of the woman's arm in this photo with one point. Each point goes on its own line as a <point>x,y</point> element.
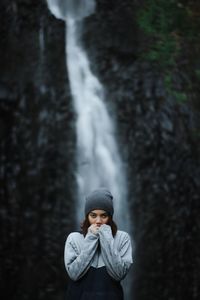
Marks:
<point>117,260</point>
<point>77,261</point>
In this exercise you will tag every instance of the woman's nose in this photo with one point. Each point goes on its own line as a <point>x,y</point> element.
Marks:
<point>98,219</point>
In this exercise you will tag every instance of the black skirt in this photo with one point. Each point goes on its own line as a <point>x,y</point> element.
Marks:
<point>95,284</point>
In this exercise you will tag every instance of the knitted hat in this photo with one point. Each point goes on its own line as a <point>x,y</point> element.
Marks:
<point>99,199</point>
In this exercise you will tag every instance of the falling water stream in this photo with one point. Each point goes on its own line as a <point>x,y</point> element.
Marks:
<point>98,160</point>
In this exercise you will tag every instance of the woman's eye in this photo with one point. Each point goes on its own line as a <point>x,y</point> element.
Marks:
<point>93,216</point>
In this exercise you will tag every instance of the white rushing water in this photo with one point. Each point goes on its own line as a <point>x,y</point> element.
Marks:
<point>98,159</point>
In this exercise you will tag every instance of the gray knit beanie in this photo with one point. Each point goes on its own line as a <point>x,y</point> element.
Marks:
<point>99,199</point>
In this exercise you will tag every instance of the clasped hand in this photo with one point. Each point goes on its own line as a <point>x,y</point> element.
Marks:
<point>94,228</point>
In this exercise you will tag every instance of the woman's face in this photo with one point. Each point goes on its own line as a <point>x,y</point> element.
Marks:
<point>98,217</point>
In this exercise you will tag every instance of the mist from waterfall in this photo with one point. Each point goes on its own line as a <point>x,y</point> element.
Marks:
<point>98,159</point>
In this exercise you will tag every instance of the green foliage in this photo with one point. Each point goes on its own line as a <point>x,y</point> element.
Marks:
<point>161,20</point>
<point>164,52</point>
<point>179,96</point>
<point>169,26</point>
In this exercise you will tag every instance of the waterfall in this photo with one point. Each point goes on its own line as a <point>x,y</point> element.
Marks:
<point>98,159</point>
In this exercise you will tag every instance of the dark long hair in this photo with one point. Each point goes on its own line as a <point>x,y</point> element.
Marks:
<point>86,224</point>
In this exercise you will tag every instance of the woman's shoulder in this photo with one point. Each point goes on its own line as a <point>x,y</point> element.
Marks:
<point>122,234</point>
<point>73,236</point>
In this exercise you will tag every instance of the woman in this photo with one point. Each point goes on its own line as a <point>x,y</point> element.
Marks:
<point>99,257</point>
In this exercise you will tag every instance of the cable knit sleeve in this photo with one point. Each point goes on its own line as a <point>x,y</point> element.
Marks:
<point>78,258</point>
<point>117,258</point>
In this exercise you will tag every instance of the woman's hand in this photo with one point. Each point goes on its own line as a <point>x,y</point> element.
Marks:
<point>94,228</point>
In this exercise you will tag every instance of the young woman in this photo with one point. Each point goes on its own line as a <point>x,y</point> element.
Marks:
<point>99,257</point>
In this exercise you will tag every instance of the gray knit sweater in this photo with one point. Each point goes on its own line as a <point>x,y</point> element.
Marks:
<point>83,252</point>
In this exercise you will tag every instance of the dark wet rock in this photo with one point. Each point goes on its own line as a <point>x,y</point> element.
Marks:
<point>37,152</point>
